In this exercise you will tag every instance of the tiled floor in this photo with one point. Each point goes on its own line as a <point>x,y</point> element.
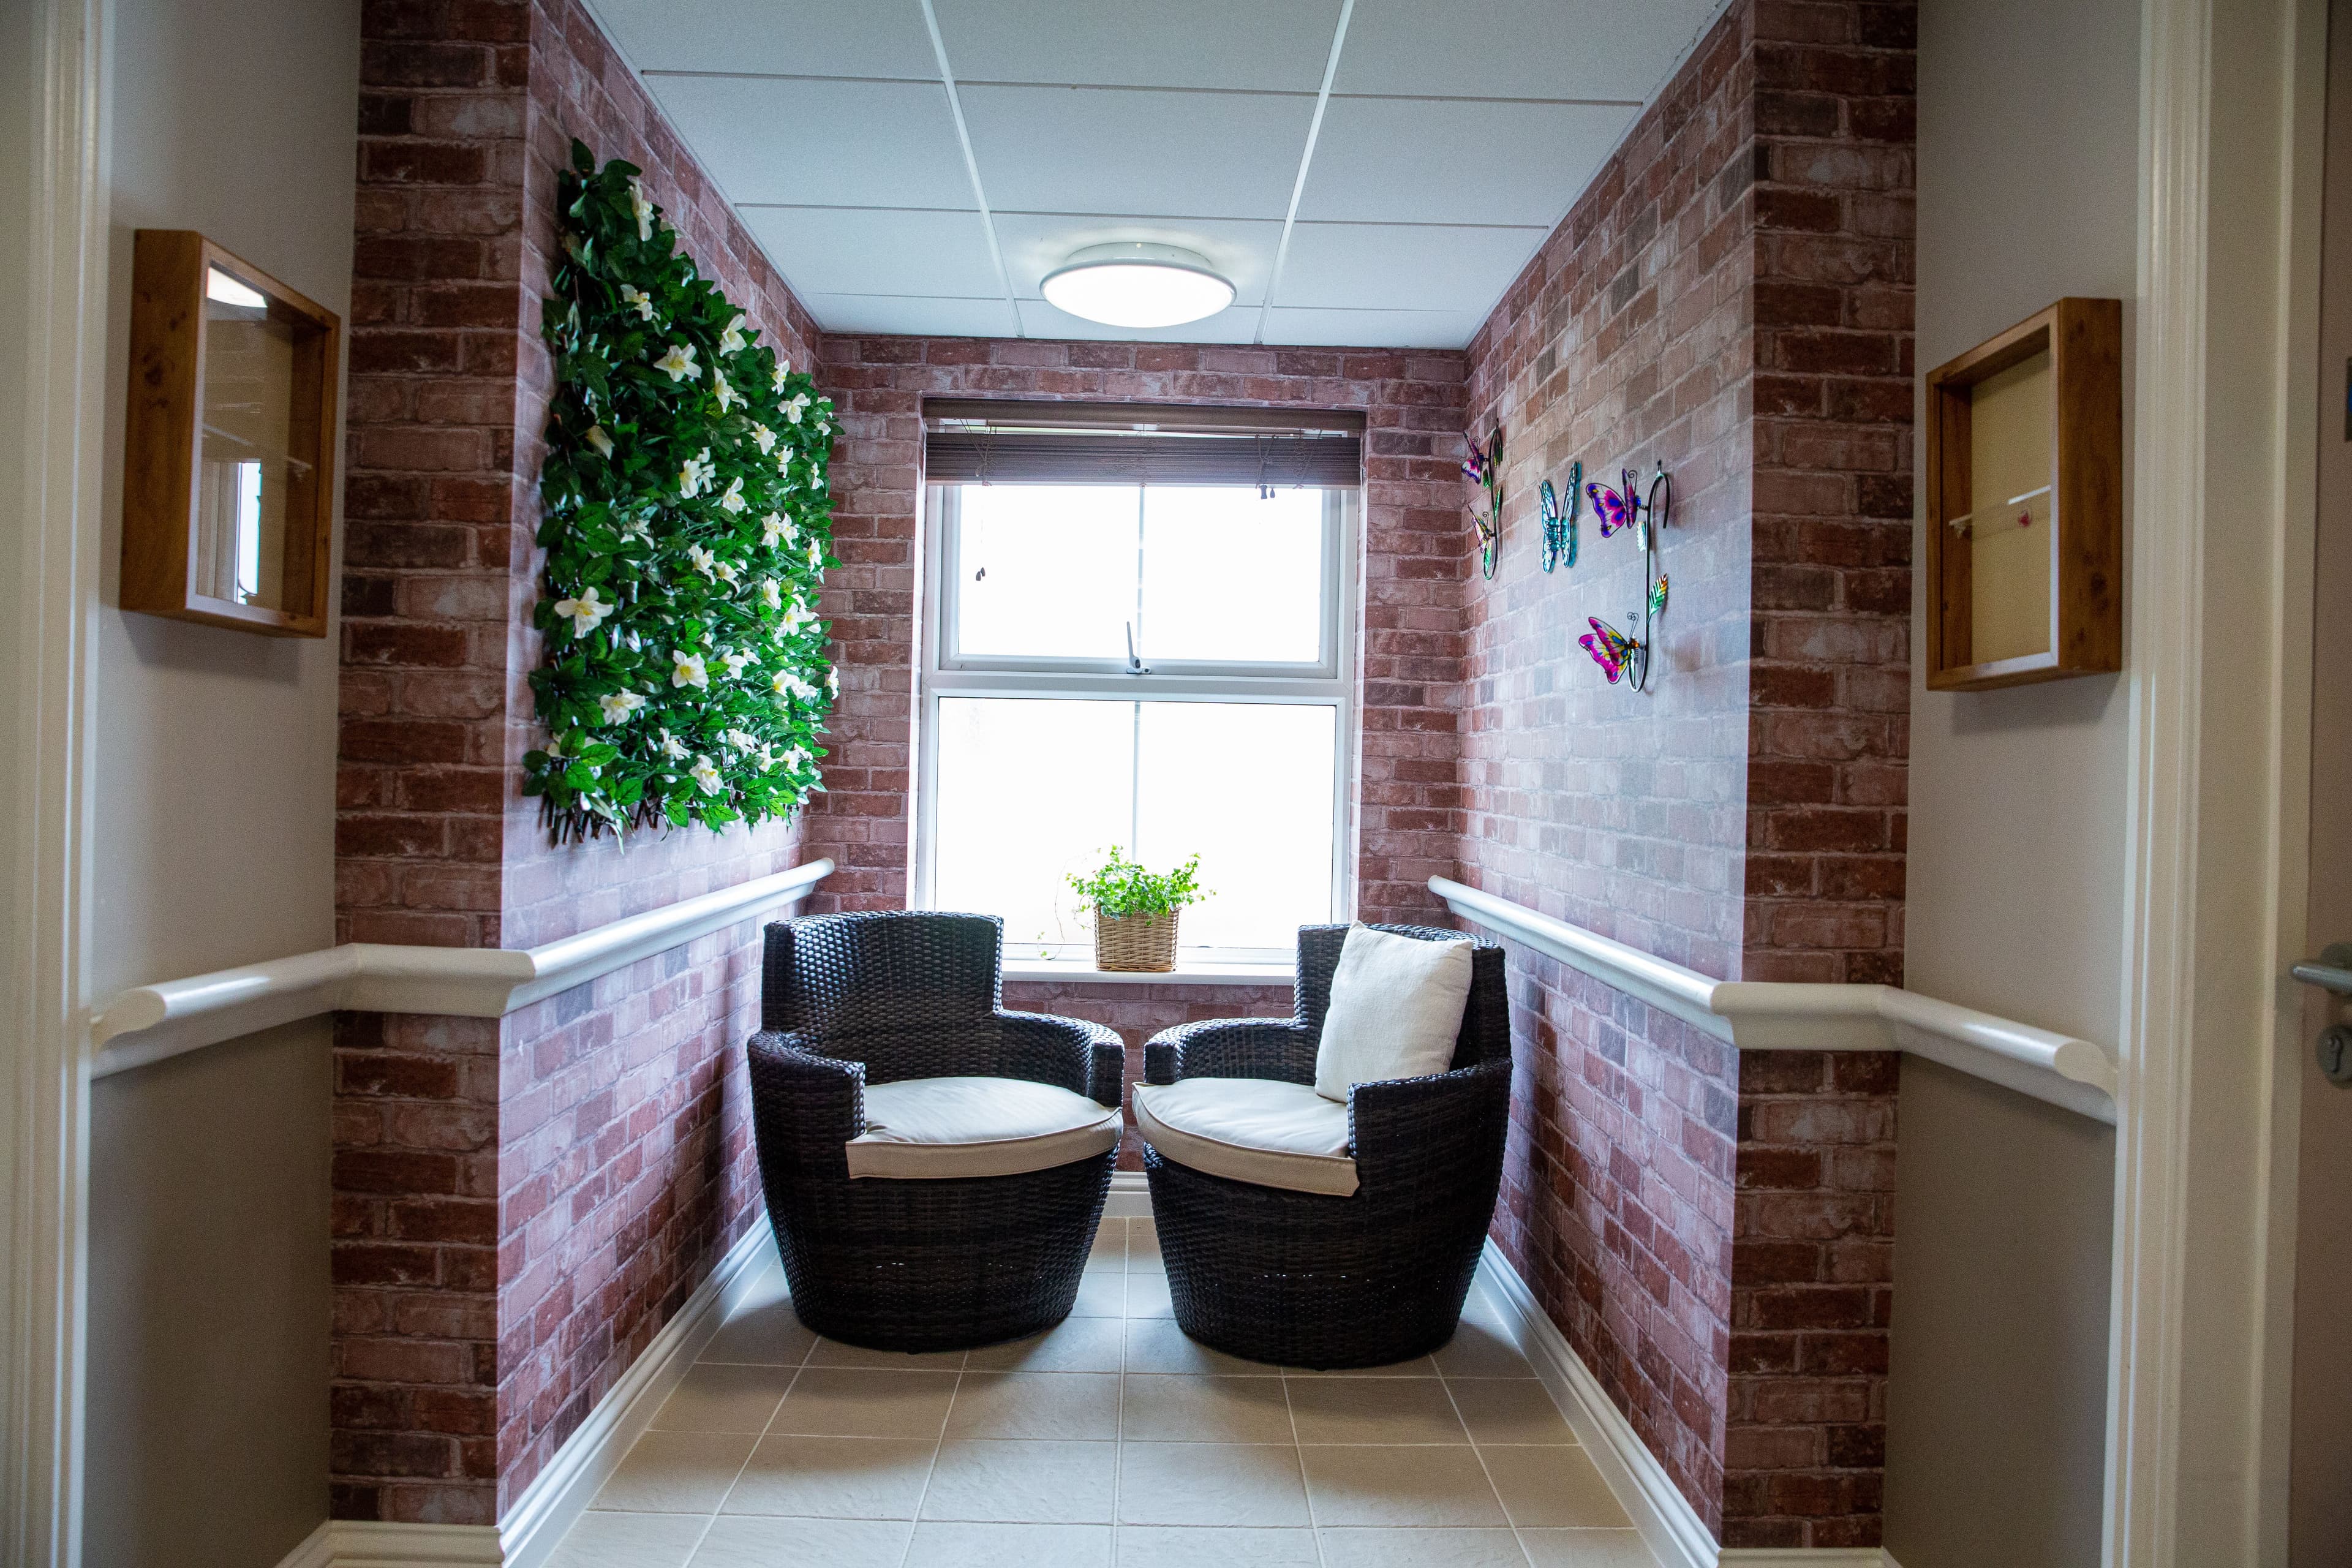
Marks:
<point>1112,1439</point>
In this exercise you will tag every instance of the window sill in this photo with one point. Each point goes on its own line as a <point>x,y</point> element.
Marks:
<point>1077,972</point>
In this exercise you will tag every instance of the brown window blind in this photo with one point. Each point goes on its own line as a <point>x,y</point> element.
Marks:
<point>969,440</point>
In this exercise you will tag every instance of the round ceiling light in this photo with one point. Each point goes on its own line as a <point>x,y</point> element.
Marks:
<point>1135,284</point>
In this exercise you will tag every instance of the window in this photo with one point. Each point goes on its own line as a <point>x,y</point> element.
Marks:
<point>1161,668</point>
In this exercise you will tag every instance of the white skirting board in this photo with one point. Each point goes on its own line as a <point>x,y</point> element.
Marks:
<point>557,1495</point>
<point>1668,1524</point>
<point>1129,1198</point>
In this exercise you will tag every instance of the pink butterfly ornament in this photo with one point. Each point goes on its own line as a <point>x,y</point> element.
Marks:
<point>1611,649</point>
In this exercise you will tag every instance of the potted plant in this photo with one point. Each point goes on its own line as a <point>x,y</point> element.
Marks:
<point>1135,911</point>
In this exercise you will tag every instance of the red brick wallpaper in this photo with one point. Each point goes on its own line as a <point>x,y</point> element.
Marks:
<point>520,1205</point>
<point>1730,295</point>
<point>1412,567</point>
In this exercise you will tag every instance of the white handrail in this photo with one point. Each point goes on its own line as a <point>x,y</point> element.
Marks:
<point>149,1022</point>
<point>1766,1015</point>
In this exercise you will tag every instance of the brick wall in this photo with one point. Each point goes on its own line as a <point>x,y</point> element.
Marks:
<point>1730,295</point>
<point>521,1204</point>
<point>1414,560</point>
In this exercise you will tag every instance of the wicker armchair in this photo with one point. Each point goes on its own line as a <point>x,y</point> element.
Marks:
<point>1306,1278</point>
<point>849,1003</point>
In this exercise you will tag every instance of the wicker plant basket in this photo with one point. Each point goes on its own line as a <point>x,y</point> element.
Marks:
<point>1135,942</point>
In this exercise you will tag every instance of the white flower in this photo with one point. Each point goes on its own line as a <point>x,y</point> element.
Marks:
<point>705,774</point>
<point>696,476</point>
<point>554,747</point>
<point>596,439</point>
<point>775,530</point>
<point>704,560</point>
<point>788,683</point>
<point>679,362</point>
<point>635,529</point>
<point>686,670</point>
<point>833,681</point>
<point>730,573</point>
<point>764,437</point>
<point>619,705</point>
<point>771,594</point>
<point>783,369</point>
<point>796,618</point>
<point>735,660</point>
<point>767,759</point>
<point>797,758</point>
<point>643,208</point>
<point>732,502</point>
<point>730,341</point>
<point>728,396</point>
<point>741,740</point>
<point>638,299</point>
<point>586,613</point>
<point>823,427</point>
<point>816,556</point>
<point>796,406</point>
<point>672,747</point>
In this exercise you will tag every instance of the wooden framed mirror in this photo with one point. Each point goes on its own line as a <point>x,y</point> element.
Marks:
<point>228,443</point>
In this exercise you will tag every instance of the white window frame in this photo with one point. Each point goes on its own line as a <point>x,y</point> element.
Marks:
<point>1329,681</point>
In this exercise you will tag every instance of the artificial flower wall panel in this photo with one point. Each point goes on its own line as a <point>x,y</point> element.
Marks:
<point>687,527</point>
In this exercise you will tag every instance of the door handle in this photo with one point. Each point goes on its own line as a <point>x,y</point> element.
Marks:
<point>2331,970</point>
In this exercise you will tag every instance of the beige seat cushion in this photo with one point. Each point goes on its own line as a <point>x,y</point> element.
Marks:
<point>936,1128</point>
<point>1395,1010</point>
<point>1256,1130</point>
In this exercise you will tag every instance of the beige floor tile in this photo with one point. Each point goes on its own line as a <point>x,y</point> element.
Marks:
<point>1210,1483</point>
<point>1586,1549</point>
<point>1374,1410</point>
<point>1146,1294</point>
<point>1022,1482</point>
<point>1419,1366</point>
<point>1157,1345</point>
<point>1509,1410</point>
<point>833,1477</point>
<point>1191,1409</point>
<point>1142,1244</point>
<point>744,1541</point>
<point>629,1541</point>
<point>1479,1348</point>
<point>1066,1405</point>
<point>1188,1546</point>
<point>1421,1549</point>
<point>1074,1344</point>
<point>1101,1294</point>
<point>1386,1486</point>
<point>675,1473</point>
<point>1552,1487</point>
<point>832,1353</point>
<point>769,1333</point>
<point>943,1546</point>
<point>1109,1245</point>
<point>852,1401</point>
<point>721,1397</point>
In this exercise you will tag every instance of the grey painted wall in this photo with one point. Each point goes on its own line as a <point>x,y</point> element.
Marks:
<point>208,1298</point>
<point>2028,121</point>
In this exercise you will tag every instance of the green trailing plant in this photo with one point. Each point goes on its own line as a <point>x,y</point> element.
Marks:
<point>687,528</point>
<point>1119,888</point>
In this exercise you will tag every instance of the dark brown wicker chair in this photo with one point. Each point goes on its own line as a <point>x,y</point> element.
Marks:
<point>1302,1279</point>
<point>852,1000</point>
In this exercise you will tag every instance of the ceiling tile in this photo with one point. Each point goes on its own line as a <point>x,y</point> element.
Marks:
<point>1141,43</point>
<point>796,38</point>
<point>910,313</point>
<point>1102,150</point>
<point>1372,329</point>
<point>876,250</point>
<point>1380,160</point>
<point>1036,243</point>
<point>1403,266</point>
<point>821,144</point>
<point>1236,324</point>
<point>1603,49</point>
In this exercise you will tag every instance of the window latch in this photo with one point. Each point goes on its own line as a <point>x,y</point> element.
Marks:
<point>1134,665</point>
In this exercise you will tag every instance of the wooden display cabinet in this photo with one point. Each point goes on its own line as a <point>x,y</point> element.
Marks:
<point>2025,503</point>
<point>228,460</point>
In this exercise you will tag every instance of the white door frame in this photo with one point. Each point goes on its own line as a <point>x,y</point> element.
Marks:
<point>55,519</point>
<point>2219,672</point>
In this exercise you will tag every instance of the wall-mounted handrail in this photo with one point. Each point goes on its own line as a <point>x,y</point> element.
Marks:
<point>149,1022</point>
<point>1768,1015</point>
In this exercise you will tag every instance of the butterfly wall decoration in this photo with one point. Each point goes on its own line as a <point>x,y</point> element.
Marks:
<point>1625,656</point>
<point>1483,467</point>
<point>1559,526</point>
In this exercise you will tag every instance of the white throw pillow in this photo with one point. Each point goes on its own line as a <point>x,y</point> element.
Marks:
<point>1396,1008</point>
